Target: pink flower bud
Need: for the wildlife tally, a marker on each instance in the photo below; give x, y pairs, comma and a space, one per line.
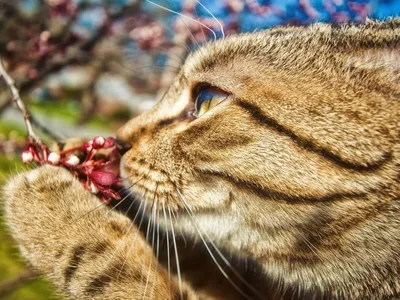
93, 189
104, 178
98, 142
88, 146
27, 156
72, 161
53, 158
109, 142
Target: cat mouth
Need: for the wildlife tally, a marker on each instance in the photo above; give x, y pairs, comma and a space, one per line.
149, 191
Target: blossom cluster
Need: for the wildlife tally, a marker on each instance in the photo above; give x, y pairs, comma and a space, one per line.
95, 164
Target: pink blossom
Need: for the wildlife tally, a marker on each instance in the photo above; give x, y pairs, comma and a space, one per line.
98, 174
72, 161
53, 158
27, 156
98, 142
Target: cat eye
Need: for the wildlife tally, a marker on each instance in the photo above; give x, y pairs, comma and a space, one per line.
207, 99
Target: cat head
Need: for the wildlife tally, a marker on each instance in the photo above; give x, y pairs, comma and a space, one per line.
280, 129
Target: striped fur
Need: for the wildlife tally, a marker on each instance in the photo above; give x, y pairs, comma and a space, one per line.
296, 173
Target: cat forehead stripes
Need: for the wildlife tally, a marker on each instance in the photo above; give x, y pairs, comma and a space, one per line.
318, 39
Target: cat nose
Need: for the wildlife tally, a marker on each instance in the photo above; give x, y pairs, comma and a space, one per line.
122, 146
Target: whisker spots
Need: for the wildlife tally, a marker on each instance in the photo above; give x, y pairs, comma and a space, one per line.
117, 229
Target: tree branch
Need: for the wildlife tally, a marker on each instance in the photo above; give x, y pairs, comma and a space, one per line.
79, 56
19, 103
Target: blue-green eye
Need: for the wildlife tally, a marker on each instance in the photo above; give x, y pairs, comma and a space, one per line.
207, 99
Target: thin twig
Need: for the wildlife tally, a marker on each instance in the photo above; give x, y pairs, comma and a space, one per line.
46, 131
19, 103
80, 56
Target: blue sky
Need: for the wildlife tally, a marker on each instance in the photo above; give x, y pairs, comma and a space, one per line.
289, 11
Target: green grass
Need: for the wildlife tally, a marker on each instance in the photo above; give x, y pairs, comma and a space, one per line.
6, 128
67, 110
11, 265
37, 289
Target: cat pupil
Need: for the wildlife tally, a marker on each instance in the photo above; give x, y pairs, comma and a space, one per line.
203, 96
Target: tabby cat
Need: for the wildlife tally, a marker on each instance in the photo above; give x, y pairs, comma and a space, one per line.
269, 170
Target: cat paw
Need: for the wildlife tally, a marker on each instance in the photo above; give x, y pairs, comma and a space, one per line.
42, 200
36, 187
87, 250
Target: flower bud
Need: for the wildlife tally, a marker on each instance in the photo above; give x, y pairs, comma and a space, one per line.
53, 158
72, 160
93, 189
109, 142
27, 156
98, 142
88, 146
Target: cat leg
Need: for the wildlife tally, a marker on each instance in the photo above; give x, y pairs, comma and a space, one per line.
84, 248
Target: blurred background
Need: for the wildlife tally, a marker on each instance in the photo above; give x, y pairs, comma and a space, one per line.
84, 67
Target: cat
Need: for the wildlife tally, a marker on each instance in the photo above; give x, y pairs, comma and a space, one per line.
278, 149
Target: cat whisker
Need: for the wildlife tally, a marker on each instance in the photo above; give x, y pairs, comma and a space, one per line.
84, 215
185, 45
130, 192
220, 254
153, 220
132, 242
180, 59
100, 205
147, 238
151, 259
184, 16
212, 15
160, 67
168, 253
143, 213
201, 28
134, 69
310, 246
152, 208
141, 222
191, 34
183, 236
179, 43
121, 242
178, 270
176, 57
158, 233
153, 217
156, 221
122, 200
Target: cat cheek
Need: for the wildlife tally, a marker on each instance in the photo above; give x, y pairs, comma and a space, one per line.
207, 193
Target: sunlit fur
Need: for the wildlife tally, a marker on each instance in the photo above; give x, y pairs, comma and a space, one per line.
298, 170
